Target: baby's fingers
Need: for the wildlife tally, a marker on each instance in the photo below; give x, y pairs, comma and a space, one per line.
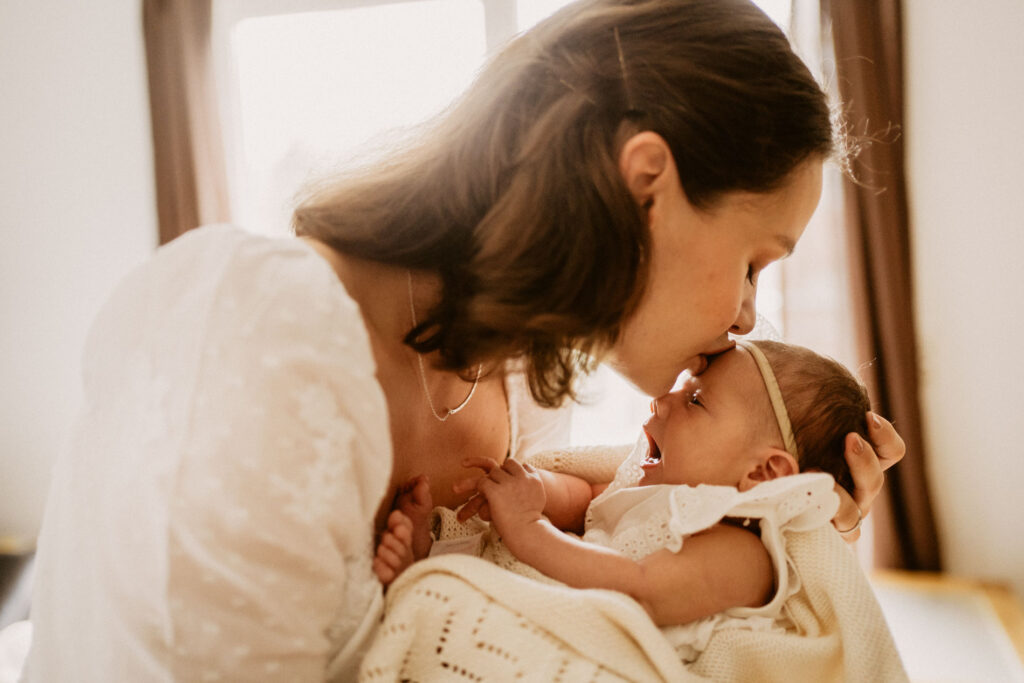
514, 468
465, 485
486, 464
471, 507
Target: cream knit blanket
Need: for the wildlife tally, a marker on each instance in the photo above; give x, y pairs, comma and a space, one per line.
457, 617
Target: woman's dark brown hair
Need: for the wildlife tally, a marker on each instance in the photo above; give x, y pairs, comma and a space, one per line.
514, 196
825, 402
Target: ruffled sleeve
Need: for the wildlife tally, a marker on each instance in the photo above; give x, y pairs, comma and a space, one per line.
640, 520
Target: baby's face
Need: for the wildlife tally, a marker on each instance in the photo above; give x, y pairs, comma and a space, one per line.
707, 430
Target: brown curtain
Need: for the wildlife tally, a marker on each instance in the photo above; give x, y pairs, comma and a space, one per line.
191, 181
867, 43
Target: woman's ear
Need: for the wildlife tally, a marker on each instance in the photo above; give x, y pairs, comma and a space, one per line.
769, 464
646, 165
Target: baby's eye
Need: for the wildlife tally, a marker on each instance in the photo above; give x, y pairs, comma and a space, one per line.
695, 399
751, 275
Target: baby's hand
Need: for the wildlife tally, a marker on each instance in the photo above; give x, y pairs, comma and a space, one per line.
515, 493
394, 553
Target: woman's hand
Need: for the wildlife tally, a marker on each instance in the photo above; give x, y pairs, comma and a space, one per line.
868, 462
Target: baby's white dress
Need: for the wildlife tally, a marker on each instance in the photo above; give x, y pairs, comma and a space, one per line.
639, 520
212, 517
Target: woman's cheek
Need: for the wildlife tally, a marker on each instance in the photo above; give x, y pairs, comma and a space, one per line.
720, 313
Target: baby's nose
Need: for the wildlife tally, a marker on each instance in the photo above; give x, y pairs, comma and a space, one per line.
662, 405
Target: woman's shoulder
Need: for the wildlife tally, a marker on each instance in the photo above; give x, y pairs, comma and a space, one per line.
226, 254
219, 297
225, 281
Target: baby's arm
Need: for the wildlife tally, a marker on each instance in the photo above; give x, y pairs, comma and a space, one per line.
567, 496
721, 568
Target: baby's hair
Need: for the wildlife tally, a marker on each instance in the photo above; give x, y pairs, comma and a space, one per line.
825, 402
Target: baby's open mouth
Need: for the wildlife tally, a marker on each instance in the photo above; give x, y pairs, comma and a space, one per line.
653, 452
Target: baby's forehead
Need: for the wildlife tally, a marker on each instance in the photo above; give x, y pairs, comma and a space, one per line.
735, 367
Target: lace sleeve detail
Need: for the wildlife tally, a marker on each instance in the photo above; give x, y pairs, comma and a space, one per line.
638, 521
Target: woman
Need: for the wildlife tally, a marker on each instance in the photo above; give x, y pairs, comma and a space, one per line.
609, 188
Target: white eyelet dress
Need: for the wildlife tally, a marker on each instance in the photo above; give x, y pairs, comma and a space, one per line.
639, 520
212, 517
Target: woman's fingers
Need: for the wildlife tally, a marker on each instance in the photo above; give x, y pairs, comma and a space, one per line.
886, 441
867, 462
847, 519
866, 470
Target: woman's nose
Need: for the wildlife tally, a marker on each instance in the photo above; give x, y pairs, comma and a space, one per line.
747, 317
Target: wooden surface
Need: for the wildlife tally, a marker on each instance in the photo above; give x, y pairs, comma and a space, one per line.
1002, 600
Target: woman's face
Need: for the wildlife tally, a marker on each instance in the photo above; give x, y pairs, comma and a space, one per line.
702, 279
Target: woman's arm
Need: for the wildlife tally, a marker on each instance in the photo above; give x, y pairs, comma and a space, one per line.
721, 568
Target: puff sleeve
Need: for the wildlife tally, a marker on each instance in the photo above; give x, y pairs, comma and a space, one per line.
213, 517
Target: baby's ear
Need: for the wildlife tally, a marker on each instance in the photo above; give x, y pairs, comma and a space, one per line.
769, 464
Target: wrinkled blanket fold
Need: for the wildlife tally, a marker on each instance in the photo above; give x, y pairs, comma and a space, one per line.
462, 618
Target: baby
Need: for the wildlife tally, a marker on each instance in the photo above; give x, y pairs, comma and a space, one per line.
719, 452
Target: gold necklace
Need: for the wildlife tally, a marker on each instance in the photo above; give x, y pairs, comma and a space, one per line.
448, 412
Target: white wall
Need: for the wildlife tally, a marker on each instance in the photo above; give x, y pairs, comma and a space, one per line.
76, 212
965, 136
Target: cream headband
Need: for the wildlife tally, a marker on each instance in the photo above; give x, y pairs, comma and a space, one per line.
775, 395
